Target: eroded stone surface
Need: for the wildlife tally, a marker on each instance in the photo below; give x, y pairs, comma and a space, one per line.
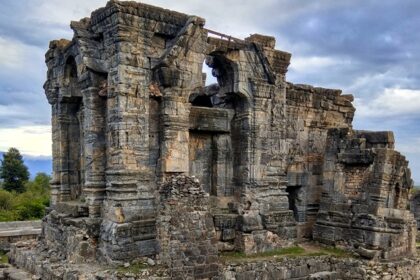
185, 230
366, 199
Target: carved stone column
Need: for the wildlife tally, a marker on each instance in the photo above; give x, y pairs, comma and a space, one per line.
94, 149
175, 120
63, 122
130, 203
55, 183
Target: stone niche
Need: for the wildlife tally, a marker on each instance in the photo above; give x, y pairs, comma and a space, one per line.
277, 162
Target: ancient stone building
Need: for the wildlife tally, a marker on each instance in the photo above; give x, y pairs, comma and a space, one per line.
365, 200
278, 162
415, 209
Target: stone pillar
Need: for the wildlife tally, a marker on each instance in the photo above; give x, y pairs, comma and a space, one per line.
55, 182
242, 149
128, 230
265, 202
175, 125
94, 149
223, 165
63, 122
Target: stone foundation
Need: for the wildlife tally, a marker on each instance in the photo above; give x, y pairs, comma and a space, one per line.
322, 268
298, 268
11, 232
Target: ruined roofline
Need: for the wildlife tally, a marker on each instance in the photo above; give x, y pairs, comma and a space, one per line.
311, 88
61, 44
326, 92
376, 137
87, 27
128, 7
140, 10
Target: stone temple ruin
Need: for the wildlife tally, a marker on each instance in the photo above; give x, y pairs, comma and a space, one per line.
149, 161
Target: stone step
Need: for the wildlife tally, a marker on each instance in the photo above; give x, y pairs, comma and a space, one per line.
12, 273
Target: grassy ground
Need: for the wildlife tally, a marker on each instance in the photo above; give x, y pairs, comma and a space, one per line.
3, 257
296, 251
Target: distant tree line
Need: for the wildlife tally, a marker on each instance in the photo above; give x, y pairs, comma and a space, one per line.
21, 198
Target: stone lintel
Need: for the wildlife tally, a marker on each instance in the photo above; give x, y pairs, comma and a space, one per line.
210, 119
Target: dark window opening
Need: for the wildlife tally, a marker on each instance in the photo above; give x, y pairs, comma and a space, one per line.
202, 101
397, 196
71, 68
294, 201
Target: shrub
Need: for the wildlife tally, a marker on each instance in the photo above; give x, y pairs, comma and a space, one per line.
39, 188
8, 215
30, 210
28, 205
6, 200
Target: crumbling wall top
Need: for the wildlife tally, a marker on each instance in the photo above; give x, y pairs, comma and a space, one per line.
140, 10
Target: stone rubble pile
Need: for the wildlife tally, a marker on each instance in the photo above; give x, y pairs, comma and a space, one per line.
179, 186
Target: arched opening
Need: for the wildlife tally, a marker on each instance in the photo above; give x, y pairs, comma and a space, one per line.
219, 140
74, 148
205, 96
70, 77
208, 77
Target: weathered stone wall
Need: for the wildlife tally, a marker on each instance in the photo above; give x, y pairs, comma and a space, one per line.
415, 209
302, 268
45, 265
11, 232
73, 239
102, 77
136, 37
311, 111
186, 234
366, 186
322, 268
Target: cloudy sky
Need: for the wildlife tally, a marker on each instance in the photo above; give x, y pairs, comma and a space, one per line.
370, 49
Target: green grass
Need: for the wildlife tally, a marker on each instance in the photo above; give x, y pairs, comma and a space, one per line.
3, 257
290, 251
295, 251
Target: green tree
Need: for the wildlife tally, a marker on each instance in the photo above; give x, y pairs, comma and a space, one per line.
13, 171
40, 184
39, 188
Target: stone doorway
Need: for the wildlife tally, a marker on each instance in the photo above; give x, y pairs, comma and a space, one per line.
295, 201
201, 159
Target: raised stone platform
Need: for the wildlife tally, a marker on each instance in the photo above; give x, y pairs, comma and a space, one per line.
269, 268
11, 232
